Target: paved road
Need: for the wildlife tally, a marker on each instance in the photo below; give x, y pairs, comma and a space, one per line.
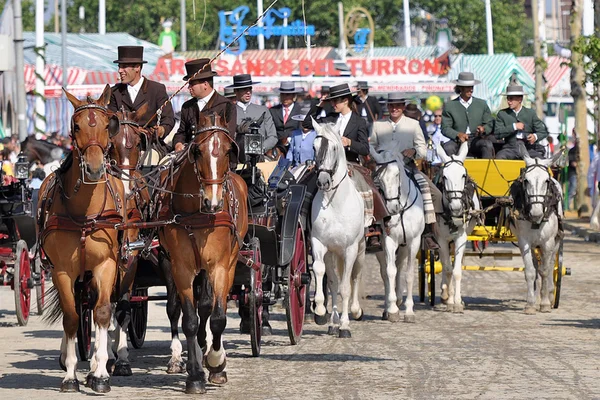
492, 351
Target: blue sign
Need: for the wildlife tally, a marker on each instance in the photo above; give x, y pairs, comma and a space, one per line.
227, 33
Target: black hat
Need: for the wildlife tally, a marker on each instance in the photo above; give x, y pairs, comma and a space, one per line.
362, 85
325, 89
130, 55
395, 98
339, 91
191, 67
242, 81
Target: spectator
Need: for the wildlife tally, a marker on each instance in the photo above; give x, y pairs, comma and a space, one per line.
37, 178
572, 171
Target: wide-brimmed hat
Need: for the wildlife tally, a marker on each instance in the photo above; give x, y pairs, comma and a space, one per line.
395, 98
362, 85
228, 92
325, 89
242, 81
201, 64
514, 90
466, 79
339, 91
288, 87
130, 55
302, 116
412, 111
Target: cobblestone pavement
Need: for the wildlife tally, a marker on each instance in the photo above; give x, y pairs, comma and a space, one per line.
492, 351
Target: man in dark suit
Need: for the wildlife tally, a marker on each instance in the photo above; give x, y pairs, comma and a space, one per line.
367, 106
283, 112
135, 90
205, 100
468, 118
519, 124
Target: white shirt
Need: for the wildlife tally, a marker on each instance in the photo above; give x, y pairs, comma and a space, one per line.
342, 122
135, 89
519, 132
466, 105
243, 105
202, 102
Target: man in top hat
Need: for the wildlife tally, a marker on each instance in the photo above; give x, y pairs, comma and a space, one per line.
517, 124
368, 106
283, 112
404, 134
468, 118
247, 111
135, 90
205, 100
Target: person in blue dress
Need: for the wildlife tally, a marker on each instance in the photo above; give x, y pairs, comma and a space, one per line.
301, 143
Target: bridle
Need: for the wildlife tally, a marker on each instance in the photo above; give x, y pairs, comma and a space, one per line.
456, 194
319, 160
406, 206
136, 127
532, 199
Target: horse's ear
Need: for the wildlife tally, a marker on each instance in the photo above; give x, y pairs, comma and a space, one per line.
376, 156
74, 100
441, 153
315, 125
557, 157
463, 151
104, 99
141, 112
524, 154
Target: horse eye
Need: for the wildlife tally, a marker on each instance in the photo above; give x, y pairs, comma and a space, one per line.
76, 128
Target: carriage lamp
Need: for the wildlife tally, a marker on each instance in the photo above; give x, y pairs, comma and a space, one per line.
22, 167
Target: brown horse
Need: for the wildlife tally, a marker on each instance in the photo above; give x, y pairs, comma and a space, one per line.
78, 208
125, 154
209, 206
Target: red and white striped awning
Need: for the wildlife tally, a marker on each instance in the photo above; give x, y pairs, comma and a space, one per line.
53, 76
554, 73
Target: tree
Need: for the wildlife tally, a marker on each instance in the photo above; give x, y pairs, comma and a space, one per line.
28, 10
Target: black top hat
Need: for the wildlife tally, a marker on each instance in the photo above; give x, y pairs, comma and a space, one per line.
242, 81
130, 55
396, 98
289, 87
201, 64
362, 85
339, 91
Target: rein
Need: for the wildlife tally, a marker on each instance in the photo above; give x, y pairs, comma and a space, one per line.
451, 195
330, 171
531, 199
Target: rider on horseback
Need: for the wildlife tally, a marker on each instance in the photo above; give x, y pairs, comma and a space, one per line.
400, 133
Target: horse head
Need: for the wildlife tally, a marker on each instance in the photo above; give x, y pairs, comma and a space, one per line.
454, 179
209, 153
130, 140
388, 175
330, 157
91, 129
536, 183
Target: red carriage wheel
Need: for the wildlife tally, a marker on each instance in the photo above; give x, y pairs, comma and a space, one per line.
40, 288
22, 283
139, 320
296, 293
255, 298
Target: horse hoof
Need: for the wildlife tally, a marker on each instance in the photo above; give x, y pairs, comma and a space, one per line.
62, 364
72, 385
321, 319
410, 318
449, 307
110, 365
122, 368
101, 385
443, 300
88, 379
459, 309
530, 310
385, 316
175, 367
395, 317
345, 334
267, 330
218, 378
361, 314
333, 330
194, 387
545, 308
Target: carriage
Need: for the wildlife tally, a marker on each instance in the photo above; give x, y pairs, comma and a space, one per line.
493, 179
19, 269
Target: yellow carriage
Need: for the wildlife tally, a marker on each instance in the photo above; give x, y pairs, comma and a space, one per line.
493, 179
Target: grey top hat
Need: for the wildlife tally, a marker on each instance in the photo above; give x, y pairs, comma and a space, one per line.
288, 87
514, 90
242, 81
395, 98
228, 92
339, 91
466, 79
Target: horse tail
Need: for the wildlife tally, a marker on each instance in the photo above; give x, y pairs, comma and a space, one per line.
595, 219
52, 310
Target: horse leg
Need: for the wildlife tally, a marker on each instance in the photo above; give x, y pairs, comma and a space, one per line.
332, 261
444, 252
319, 251
68, 356
386, 285
221, 280
176, 364
546, 272
122, 366
411, 259
345, 289
355, 310
459, 250
205, 307
530, 275
392, 310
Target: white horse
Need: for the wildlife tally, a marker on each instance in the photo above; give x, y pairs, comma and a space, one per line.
338, 243
402, 236
537, 226
456, 222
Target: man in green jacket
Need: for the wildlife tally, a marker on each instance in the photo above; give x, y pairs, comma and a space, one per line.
468, 118
519, 124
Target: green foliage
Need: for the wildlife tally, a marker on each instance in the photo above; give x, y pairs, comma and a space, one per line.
28, 11
589, 47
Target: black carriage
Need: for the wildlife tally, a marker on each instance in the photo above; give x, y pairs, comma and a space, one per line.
273, 262
18, 269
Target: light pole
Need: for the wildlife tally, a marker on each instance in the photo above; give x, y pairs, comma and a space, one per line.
19, 61
40, 78
488, 23
406, 24
183, 27
261, 37
102, 17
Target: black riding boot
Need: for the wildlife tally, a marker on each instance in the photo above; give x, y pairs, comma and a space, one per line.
429, 236
374, 237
